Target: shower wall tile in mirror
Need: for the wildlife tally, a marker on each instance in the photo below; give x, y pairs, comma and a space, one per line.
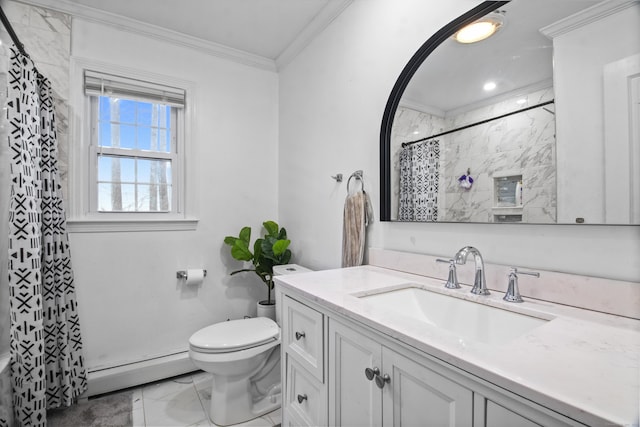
522, 144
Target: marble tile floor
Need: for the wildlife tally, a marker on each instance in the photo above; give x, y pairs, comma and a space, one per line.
183, 401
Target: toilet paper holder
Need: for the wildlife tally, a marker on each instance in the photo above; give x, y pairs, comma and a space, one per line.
182, 274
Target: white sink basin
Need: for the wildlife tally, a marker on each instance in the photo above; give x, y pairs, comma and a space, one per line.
467, 319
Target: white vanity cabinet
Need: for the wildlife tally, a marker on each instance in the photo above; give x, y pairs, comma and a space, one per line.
339, 372
397, 390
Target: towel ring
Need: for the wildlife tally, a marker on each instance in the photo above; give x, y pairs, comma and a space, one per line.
359, 176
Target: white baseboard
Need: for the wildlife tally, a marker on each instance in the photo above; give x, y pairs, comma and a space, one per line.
136, 373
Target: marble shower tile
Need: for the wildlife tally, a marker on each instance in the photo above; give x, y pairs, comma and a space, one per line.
18, 13
50, 20
45, 47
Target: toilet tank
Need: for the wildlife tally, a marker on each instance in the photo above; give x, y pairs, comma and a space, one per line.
282, 270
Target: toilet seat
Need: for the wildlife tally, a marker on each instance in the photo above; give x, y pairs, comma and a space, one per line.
235, 335
230, 356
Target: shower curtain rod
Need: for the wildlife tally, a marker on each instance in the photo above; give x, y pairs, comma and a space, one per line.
12, 33
542, 104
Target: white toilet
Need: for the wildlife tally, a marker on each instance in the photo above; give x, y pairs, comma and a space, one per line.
244, 357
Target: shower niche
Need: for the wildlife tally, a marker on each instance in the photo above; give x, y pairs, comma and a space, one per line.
507, 197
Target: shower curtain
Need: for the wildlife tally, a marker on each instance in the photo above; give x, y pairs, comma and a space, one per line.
419, 175
47, 366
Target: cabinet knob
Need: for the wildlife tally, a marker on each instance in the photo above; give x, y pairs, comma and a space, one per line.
299, 335
302, 398
371, 373
382, 380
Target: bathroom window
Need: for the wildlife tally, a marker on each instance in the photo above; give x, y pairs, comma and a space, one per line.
134, 140
135, 151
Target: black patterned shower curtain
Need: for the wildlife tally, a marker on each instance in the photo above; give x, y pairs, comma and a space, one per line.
419, 175
47, 365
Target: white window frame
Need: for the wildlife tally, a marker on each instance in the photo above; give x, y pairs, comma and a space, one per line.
83, 210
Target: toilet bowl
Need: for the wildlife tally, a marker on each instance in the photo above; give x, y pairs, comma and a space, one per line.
244, 358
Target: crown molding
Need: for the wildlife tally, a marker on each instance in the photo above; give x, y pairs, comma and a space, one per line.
524, 90
153, 31
434, 111
317, 25
586, 16
412, 104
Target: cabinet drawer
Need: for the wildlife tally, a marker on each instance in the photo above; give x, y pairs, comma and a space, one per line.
305, 396
303, 336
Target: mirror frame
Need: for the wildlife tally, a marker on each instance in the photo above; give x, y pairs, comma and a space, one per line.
401, 84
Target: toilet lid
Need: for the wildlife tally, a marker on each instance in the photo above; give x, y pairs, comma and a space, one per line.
235, 334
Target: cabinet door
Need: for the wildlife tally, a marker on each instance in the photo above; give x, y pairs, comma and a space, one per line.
353, 399
418, 396
507, 412
497, 416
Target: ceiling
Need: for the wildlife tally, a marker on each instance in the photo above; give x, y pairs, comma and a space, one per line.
269, 29
518, 56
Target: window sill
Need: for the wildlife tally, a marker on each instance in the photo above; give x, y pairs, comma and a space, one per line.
108, 226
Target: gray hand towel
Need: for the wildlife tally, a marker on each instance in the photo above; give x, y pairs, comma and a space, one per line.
357, 215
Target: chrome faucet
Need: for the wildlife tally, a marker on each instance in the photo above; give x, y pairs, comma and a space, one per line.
479, 283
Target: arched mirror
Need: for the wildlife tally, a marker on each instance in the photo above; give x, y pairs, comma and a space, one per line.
537, 123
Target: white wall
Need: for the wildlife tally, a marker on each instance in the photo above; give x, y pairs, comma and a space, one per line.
131, 304
332, 98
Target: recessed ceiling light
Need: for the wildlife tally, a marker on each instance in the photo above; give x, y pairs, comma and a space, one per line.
479, 30
521, 101
489, 86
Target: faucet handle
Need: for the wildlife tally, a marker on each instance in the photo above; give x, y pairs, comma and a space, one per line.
452, 280
530, 273
513, 293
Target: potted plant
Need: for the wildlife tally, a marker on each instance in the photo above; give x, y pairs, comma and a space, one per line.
272, 249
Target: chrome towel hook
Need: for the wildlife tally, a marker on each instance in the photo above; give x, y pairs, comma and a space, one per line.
359, 176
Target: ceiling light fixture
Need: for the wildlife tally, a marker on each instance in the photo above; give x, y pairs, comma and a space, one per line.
481, 29
489, 86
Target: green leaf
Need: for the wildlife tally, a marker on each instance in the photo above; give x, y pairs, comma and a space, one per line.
257, 251
230, 240
286, 257
240, 251
271, 227
280, 246
245, 235
267, 246
283, 234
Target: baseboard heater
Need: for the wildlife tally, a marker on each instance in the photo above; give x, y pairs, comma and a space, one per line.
105, 380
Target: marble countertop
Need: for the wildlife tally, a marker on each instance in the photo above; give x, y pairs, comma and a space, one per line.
583, 364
